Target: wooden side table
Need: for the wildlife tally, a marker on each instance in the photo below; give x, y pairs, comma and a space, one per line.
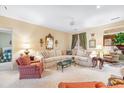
95, 61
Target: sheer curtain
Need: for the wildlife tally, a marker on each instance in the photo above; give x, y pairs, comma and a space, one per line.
74, 40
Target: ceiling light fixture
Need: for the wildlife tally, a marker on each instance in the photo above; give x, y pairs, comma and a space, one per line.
72, 22
3, 7
115, 18
98, 6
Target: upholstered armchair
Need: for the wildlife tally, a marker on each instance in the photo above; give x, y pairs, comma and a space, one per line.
29, 69
111, 58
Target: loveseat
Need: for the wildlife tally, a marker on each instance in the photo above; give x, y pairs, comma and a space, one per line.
50, 58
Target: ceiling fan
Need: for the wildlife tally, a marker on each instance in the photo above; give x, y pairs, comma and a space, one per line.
3, 7
72, 22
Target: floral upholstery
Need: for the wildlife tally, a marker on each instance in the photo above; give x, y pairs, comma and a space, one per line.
29, 69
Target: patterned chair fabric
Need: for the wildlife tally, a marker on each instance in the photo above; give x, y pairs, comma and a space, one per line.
33, 69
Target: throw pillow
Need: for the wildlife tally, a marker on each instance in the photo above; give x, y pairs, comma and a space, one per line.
45, 54
74, 51
51, 53
58, 52
81, 53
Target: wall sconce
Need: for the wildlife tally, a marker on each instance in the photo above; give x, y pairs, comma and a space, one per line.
56, 43
41, 42
92, 34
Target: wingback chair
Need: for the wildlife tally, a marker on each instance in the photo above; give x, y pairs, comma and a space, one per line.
29, 69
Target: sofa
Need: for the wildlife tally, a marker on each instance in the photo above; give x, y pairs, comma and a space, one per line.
29, 69
50, 58
86, 85
83, 58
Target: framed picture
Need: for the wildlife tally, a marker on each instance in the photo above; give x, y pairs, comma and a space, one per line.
108, 40
92, 43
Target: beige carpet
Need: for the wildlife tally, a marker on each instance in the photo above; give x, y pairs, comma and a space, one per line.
51, 77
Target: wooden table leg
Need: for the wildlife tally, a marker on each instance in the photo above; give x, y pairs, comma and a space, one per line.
101, 64
62, 68
94, 62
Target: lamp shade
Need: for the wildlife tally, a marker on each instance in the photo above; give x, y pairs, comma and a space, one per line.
26, 46
99, 47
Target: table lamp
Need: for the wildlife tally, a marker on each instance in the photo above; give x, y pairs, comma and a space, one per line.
26, 47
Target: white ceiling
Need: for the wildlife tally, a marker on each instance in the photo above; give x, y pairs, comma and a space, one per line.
59, 16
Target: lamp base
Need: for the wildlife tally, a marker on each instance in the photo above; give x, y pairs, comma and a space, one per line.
26, 52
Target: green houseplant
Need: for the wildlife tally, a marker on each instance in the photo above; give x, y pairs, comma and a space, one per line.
119, 41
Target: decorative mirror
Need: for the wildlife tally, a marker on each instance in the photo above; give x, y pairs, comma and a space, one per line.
92, 43
49, 41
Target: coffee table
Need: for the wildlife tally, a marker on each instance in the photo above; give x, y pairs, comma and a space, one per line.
64, 64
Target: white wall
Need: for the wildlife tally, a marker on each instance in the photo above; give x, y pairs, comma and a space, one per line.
5, 39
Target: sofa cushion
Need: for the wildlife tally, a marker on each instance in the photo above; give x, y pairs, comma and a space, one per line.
58, 52
74, 51
58, 58
50, 59
82, 53
81, 58
51, 53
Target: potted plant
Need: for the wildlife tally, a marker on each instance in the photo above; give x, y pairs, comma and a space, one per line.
119, 41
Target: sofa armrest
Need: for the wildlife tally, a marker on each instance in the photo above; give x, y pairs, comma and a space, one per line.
89, 59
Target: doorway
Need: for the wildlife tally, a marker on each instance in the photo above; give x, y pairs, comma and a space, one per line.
5, 48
